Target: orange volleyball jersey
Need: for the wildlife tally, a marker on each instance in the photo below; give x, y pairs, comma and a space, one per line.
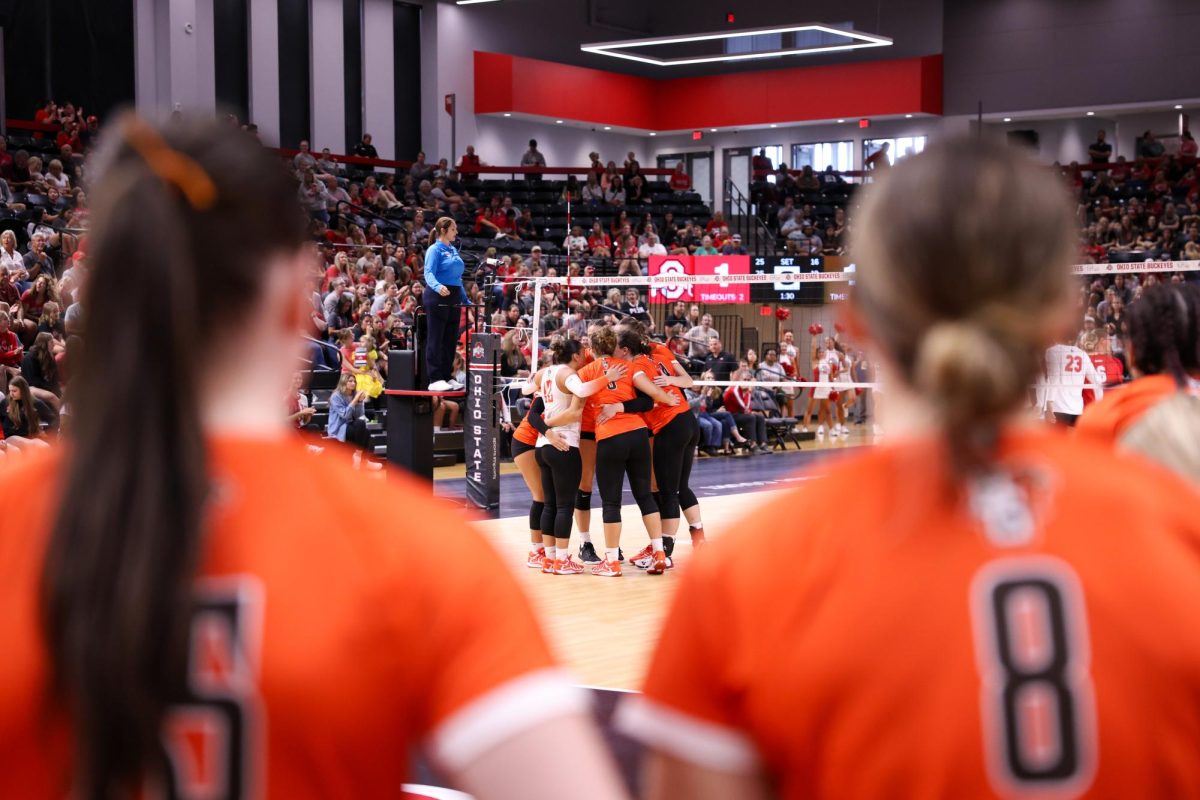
587, 423
617, 391
340, 652
661, 361
906, 650
1109, 417
526, 433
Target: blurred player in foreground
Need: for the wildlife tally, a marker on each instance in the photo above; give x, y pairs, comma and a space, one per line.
185, 603
999, 609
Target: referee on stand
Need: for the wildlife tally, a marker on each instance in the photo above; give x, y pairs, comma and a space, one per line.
442, 300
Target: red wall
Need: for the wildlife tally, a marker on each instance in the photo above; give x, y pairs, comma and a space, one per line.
506, 83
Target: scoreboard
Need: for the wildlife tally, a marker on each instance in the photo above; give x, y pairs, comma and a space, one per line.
790, 288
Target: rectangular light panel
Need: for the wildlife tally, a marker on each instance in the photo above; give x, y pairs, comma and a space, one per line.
857, 41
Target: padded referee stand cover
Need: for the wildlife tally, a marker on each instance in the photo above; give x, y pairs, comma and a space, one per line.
409, 419
482, 432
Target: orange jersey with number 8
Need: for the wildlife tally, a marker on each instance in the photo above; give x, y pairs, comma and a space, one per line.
1033, 638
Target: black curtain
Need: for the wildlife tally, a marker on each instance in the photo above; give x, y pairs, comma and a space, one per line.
231, 41
295, 68
352, 62
78, 51
406, 44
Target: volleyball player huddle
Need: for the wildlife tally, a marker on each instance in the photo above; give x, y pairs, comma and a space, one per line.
607, 410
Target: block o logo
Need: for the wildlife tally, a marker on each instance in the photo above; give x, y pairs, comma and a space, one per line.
670, 292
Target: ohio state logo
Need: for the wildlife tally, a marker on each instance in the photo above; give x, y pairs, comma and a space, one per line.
670, 290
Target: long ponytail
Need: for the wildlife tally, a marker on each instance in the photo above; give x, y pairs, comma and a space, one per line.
128, 536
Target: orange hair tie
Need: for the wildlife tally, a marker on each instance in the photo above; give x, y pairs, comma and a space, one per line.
171, 166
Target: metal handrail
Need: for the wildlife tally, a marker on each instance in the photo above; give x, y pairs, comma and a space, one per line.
740, 203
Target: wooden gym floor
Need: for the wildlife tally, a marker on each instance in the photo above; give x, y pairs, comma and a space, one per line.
604, 629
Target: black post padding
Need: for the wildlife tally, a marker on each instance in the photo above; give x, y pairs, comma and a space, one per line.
481, 431
409, 419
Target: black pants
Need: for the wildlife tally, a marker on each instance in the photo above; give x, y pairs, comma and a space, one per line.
674, 450
358, 435
1066, 419
441, 331
561, 472
617, 456
752, 426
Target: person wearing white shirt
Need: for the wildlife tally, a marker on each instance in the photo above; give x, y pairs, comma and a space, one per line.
1060, 391
698, 337
11, 259
576, 243
652, 247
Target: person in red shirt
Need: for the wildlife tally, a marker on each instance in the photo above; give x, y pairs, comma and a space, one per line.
680, 180
11, 350
491, 220
599, 242
187, 555
716, 223
997, 577
48, 114
761, 166
468, 167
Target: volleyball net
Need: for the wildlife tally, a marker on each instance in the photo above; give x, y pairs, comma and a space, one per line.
759, 300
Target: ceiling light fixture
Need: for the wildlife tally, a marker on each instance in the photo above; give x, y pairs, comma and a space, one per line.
773, 125
857, 41
712, 130
608, 127
507, 114
908, 116
1091, 113
558, 122
1178, 107
652, 133
473, 2
841, 120
1008, 119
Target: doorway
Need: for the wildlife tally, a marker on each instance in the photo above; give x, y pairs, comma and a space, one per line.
699, 165
737, 172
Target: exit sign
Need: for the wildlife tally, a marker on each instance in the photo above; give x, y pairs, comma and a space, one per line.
864, 123
697, 136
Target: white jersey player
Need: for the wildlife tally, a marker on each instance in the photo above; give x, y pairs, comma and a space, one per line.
559, 402
1068, 370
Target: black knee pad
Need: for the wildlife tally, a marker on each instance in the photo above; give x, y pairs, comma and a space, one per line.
687, 498
583, 500
668, 504
535, 515
612, 512
646, 504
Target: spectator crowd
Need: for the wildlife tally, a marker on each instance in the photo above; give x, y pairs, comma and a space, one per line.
371, 223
